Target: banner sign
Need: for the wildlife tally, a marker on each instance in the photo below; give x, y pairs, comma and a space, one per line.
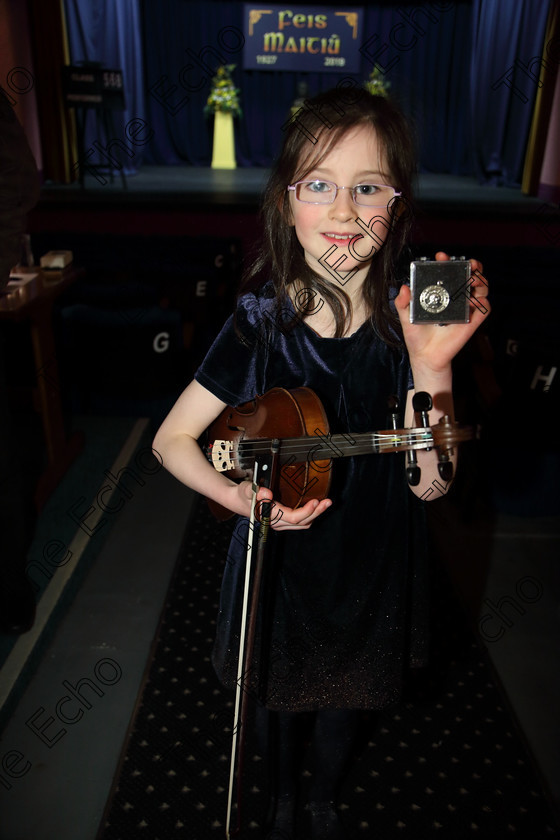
302, 38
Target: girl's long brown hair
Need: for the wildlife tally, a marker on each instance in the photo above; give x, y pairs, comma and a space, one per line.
310, 136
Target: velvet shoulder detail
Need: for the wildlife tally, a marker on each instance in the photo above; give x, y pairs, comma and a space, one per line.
229, 369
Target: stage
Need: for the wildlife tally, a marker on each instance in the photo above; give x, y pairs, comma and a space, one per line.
195, 201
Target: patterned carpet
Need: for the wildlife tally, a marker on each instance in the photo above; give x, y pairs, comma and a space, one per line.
448, 762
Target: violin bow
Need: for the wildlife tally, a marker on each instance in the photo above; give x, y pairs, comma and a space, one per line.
248, 629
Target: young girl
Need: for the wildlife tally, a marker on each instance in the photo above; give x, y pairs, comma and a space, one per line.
345, 612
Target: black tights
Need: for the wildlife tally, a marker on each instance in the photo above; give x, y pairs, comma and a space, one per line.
333, 737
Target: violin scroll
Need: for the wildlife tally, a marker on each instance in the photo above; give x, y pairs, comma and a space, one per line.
445, 434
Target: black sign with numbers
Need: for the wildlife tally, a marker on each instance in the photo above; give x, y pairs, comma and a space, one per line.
93, 87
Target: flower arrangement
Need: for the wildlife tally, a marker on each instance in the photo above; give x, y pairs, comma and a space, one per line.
224, 96
376, 83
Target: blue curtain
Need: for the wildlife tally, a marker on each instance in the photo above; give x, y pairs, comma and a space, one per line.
458, 69
507, 38
110, 32
428, 58
429, 79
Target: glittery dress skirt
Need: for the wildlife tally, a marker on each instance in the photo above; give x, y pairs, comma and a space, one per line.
343, 613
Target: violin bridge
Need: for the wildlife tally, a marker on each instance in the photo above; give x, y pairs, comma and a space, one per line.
222, 455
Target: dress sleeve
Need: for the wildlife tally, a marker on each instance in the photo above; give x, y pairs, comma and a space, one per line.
233, 367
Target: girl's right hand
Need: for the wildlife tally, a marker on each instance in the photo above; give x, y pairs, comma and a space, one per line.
284, 518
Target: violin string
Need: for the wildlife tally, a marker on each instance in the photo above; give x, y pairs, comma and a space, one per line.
349, 442
258, 445
383, 442
329, 452
331, 446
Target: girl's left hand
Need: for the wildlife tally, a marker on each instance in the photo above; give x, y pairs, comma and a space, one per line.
432, 346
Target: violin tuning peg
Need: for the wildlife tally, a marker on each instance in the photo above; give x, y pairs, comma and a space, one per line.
412, 469
445, 469
393, 404
445, 465
421, 401
413, 475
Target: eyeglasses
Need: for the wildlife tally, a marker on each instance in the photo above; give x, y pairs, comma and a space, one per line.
325, 192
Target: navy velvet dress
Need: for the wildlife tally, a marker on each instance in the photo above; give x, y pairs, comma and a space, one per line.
345, 611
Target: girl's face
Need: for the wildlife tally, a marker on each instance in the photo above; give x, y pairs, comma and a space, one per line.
357, 159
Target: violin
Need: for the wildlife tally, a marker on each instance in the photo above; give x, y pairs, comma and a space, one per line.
296, 423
